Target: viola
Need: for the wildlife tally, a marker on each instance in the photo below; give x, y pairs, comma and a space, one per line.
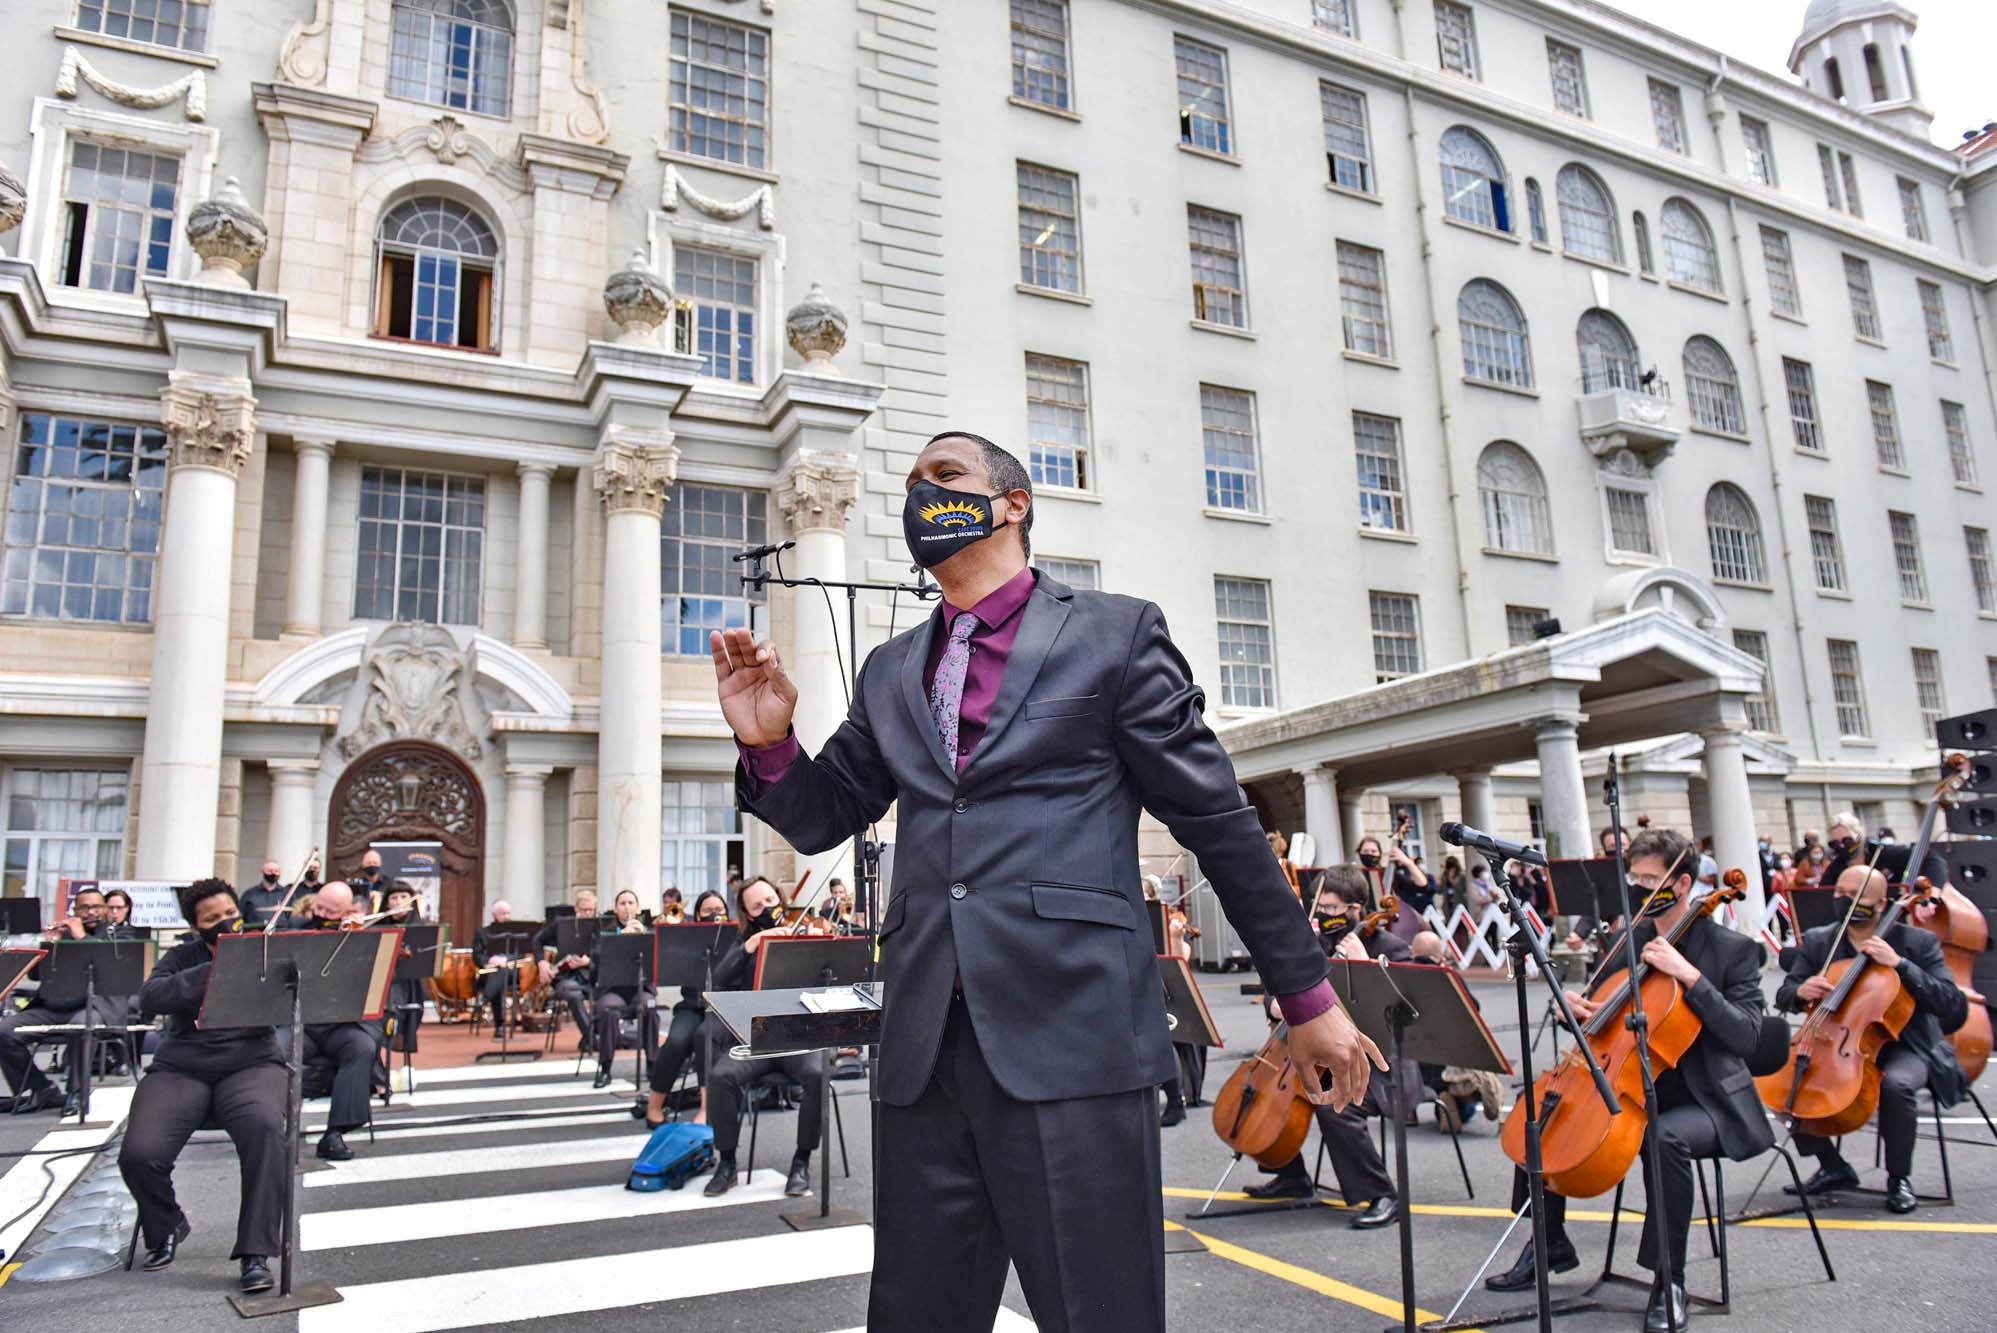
1389, 912
1263, 1110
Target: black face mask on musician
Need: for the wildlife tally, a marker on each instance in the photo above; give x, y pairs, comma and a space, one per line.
1333, 925
1864, 913
210, 934
270, 879
1660, 901
938, 522
763, 920
1369, 859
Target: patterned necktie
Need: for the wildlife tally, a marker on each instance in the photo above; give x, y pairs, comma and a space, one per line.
946, 693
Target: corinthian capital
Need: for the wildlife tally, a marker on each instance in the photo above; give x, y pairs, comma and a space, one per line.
634, 470
209, 425
817, 490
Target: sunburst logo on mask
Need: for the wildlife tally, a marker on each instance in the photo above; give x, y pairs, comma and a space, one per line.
951, 514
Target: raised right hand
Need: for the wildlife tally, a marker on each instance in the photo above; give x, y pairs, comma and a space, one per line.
757, 697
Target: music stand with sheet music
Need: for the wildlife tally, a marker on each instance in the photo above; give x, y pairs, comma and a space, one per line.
20, 916
83, 971
421, 958
575, 936
291, 978
629, 961
511, 940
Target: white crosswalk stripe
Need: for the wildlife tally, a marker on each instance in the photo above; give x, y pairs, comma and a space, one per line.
373, 1170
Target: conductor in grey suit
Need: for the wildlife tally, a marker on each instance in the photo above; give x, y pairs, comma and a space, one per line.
1021, 729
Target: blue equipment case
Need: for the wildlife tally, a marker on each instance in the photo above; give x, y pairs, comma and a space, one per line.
676, 1152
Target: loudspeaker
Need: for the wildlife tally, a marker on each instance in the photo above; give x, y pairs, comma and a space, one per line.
1972, 868
1974, 735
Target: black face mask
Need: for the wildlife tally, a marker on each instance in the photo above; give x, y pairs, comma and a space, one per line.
1864, 913
210, 934
938, 522
1334, 925
764, 920
1369, 859
270, 879
1843, 844
311, 877
1660, 902
709, 919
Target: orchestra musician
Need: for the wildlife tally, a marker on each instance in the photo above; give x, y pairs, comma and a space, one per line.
683, 1036
571, 976
349, 1047
612, 1001
1397, 875
1707, 1104
368, 884
1184, 1083
496, 969
233, 1078
118, 909
402, 907
1921, 1058
265, 896
31, 1089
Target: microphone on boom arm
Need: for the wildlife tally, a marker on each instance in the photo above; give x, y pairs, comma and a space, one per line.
1462, 835
761, 552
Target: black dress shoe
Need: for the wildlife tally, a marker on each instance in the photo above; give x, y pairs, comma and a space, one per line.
799, 1183
1175, 1114
722, 1181
1832, 1176
333, 1147
1383, 1211
1560, 1257
161, 1255
1900, 1195
1283, 1187
1666, 1311
256, 1274
602, 1077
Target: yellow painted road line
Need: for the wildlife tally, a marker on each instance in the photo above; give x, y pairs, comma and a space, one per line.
1385, 1306
1420, 1209
7, 1271
1853, 1224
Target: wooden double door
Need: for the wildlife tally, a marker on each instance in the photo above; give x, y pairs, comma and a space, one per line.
413, 791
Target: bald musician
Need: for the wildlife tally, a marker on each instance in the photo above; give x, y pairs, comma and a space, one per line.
348, 1047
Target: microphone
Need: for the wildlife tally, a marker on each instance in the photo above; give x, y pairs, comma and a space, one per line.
762, 552
1462, 835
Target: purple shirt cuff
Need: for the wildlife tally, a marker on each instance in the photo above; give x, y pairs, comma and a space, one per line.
767, 766
1304, 1005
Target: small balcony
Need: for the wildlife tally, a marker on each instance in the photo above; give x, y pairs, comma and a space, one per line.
1624, 407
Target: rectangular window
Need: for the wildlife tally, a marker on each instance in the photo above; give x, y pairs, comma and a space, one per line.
1220, 293
1040, 52
1522, 624
1935, 315
1928, 685
700, 835
182, 24
1981, 574
1907, 557
1885, 425
1760, 704
1913, 212
1456, 38
1570, 82
722, 323
719, 99
1848, 173
1246, 631
1760, 149
1081, 575
1667, 113
1203, 120
1827, 164
1847, 689
84, 508
1383, 491
1362, 300
1802, 389
1961, 461
456, 55
421, 547
1629, 521
62, 823
1864, 310
1335, 16
1396, 635
700, 585
118, 206
1826, 552
1783, 293
1050, 229
1057, 421
1535, 820
1233, 468
1348, 147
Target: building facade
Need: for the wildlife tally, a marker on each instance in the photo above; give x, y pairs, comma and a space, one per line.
390, 384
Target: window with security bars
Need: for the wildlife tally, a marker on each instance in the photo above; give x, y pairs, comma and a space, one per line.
1233, 465
1907, 557
1913, 212
1057, 421
1801, 386
454, 53
1713, 387
1935, 315
1040, 52
1202, 71
1050, 229
1522, 624
1761, 704
1955, 426
181, 24
1247, 632
84, 507
1456, 38
61, 823
1376, 448
1362, 300
1335, 16
700, 835
1733, 536
1608, 354
1081, 575
1535, 211
719, 90
1827, 164
700, 585
421, 547
1760, 148
1641, 231
1348, 145
1629, 521
1864, 309
1784, 295
1885, 426
1848, 174
722, 289
1689, 256
1511, 490
1928, 686
1570, 83
118, 214
1982, 575
1219, 292
1473, 180
1396, 635
1847, 689
1826, 551
1667, 114
1587, 215
1493, 332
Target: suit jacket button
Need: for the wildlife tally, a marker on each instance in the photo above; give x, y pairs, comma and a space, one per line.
958, 890
961, 806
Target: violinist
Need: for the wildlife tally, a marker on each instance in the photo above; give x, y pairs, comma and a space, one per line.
1922, 1057
401, 907
1347, 933
348, 1047
682, 1042
570, 976
1397, 875
1706, 1103
611, 1001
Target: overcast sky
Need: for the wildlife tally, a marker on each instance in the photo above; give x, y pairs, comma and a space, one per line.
1952, 48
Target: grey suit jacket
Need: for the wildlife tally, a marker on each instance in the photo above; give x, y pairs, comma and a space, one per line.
1021, 878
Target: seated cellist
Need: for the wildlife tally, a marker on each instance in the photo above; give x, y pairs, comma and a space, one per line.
1922, 1057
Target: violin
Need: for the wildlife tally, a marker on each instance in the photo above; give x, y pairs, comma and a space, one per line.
1389, 912
1263, 1110
1585, 1149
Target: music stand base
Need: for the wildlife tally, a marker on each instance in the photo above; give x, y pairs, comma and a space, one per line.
1184, 1242
1259, 1209
1564, 1306
303, 1297
816, 1221
1647, 1284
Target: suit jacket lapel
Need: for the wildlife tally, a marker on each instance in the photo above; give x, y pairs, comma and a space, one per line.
917, 697
1046, 611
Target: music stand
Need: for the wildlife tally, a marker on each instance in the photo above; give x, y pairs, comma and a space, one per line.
20, 916
1154, 911
1420, 1012
422, 957
628, 960
794, 962
292, 978
512, 941
687, 952
575, 936
15, 964
1186, 1011
83, 970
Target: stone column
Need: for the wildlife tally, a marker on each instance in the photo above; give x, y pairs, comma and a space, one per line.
1562, 801
530, 577
1473, 790
523, 878
1321, 819
1350, 824
1731, 815
211, 429
290, 835
633, 472
306, 587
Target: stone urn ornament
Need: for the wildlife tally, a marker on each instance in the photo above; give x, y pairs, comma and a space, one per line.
228, 235
639, 300
817, 330
13, 200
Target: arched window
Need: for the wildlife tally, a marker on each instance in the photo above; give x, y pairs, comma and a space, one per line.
1608, 354
1587, 215
1513, 495
1689, 256
1492, 327
1733, 535
1535, 211
1713, 387
1641, 229
434, 268
1473, 181
455, 53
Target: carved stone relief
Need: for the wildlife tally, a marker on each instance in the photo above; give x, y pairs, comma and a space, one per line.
418, 687
762, 199
449, 141
307, 47
192, 86
208, 429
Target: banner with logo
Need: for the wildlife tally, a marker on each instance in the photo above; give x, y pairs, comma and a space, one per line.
420, 865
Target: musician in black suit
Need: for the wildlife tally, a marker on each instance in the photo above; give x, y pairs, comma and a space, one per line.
89, 919
1921, 1058
570, 976
1707, 1105
495, 985
1019, 732
402, 907
348, 1049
